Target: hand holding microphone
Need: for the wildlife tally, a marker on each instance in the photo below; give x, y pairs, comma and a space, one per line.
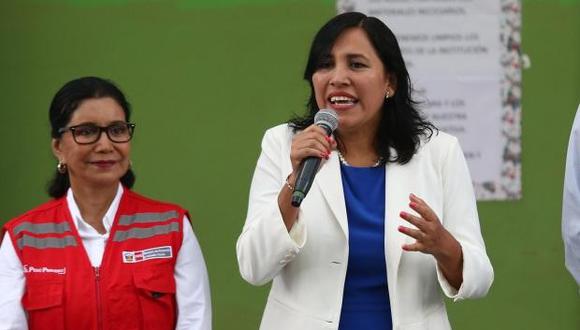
307, 150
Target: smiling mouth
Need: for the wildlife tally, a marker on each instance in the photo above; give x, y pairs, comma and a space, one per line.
104, 163
342, 100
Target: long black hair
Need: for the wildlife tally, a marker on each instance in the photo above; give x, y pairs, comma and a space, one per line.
65, 103
402, 125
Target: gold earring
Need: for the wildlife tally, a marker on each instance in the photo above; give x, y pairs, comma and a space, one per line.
61, 167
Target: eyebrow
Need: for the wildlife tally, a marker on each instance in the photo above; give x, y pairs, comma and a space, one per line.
92, 123
355, 55
349, 56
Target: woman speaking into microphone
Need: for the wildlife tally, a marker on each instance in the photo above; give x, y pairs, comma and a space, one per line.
390, 223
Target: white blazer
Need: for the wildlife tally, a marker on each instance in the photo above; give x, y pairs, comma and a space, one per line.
308, 265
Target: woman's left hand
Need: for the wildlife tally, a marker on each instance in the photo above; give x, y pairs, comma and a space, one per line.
432, 238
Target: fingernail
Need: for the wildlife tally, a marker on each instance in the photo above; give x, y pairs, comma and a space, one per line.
400, 228
327, 138
403, 214
413, 205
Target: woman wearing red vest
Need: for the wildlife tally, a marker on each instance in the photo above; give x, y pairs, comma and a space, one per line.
99, 256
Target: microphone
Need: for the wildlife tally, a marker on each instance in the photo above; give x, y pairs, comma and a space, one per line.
328, 120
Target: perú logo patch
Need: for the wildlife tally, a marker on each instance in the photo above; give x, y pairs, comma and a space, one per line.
162, 252
43, 269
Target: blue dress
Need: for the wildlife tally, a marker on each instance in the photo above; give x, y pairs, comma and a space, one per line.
365, 302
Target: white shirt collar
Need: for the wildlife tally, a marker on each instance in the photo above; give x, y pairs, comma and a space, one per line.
108, 219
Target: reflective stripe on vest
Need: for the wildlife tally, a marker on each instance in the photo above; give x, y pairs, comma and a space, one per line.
42, 228
46, 242
126, 220
123, 235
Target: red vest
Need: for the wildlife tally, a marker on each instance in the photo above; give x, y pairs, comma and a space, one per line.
134, 287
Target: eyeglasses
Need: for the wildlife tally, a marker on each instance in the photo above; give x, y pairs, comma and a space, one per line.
90, 133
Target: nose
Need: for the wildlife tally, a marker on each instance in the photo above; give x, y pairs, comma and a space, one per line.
103, 144
339, 76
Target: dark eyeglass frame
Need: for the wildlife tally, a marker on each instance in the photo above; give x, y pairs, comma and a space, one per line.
130, 127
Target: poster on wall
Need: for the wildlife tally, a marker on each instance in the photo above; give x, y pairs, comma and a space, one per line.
464, 60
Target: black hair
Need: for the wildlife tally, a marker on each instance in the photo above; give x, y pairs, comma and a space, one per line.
65, 103
401, 125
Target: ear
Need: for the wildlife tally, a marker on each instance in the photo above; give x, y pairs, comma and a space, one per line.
391, 83
55, 145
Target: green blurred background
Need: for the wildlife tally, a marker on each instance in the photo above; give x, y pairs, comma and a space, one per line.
206, 78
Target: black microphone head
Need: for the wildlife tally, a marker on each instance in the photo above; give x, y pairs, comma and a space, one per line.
326, 118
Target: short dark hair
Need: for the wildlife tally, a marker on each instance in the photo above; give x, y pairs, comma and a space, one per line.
402, 125
65, 103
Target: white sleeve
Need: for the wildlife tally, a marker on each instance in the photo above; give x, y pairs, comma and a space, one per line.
460, 218
265, 246
12, 315
192, 284
571, 202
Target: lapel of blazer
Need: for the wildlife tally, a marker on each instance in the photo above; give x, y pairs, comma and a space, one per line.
397, 189
329, 182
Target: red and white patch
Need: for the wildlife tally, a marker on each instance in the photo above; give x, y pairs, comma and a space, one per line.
161, 252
